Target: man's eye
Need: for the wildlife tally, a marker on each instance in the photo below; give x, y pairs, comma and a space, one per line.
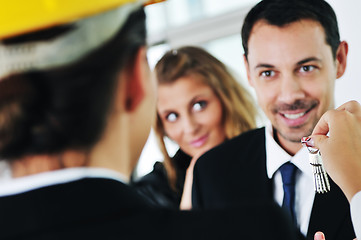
267, 74
172, 117
198, 106
307, 68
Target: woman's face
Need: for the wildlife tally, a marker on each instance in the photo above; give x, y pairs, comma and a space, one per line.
191, 114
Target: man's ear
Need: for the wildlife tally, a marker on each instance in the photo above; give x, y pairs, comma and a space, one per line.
247, 70
341, 58
135, 74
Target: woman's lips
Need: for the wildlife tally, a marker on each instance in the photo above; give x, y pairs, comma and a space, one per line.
199, 141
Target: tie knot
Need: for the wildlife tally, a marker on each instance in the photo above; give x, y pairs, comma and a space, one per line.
288, 172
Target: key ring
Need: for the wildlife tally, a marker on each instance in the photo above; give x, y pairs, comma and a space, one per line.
321, 182
312, 150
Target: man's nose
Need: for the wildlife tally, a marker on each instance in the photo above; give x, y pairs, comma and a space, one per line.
290, 89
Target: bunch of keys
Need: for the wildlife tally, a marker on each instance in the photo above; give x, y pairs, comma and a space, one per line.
322, 184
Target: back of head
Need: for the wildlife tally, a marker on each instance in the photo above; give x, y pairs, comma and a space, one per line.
282, 12
52, 109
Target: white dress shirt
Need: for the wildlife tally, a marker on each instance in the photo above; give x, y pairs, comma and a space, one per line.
356, 214
304, 189
35, 181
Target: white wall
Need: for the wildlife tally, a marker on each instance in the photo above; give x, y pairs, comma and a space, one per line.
349, 18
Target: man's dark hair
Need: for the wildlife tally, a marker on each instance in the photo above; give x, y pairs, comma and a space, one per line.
283, 12
48, 111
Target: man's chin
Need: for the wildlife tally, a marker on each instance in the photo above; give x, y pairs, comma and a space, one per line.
294, 137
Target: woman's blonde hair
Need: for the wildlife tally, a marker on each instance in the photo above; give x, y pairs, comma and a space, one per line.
239, 111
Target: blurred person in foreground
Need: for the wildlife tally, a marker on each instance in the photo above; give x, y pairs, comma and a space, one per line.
199, 105
76, 99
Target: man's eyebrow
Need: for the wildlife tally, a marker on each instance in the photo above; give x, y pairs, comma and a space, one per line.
310, 59
306, 60
264, 65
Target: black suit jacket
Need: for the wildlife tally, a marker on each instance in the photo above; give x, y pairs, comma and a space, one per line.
236, 171
98, 208
155, 186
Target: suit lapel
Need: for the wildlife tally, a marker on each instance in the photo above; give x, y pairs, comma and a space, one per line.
264, 176
254, 164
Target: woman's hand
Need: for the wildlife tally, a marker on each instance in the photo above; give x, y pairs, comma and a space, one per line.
341, 148
321, 236
186, 202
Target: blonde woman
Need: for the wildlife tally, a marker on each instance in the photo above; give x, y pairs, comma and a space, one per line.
200, 105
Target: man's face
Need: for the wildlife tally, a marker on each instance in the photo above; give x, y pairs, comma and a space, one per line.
293, 73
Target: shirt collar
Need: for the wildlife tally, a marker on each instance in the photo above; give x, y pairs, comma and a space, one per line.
31, 182
276, 156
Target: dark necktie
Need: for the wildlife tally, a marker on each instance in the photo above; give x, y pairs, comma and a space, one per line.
288, 172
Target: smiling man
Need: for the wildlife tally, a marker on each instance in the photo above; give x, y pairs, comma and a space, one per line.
293, 56
293, 71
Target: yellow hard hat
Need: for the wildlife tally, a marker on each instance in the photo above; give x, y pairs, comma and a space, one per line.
94, 21
22, 16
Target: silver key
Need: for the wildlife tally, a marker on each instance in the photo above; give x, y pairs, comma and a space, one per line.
322, 184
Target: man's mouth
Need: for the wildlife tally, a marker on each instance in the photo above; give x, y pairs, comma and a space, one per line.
296, 110
294, 116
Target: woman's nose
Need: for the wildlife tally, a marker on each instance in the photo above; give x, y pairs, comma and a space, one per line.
190, 124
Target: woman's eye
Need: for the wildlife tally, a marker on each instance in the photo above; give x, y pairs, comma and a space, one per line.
307, 68
267, 74
198, 106
172, 117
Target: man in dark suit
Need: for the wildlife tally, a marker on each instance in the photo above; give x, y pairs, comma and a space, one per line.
76, 104
293, 55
